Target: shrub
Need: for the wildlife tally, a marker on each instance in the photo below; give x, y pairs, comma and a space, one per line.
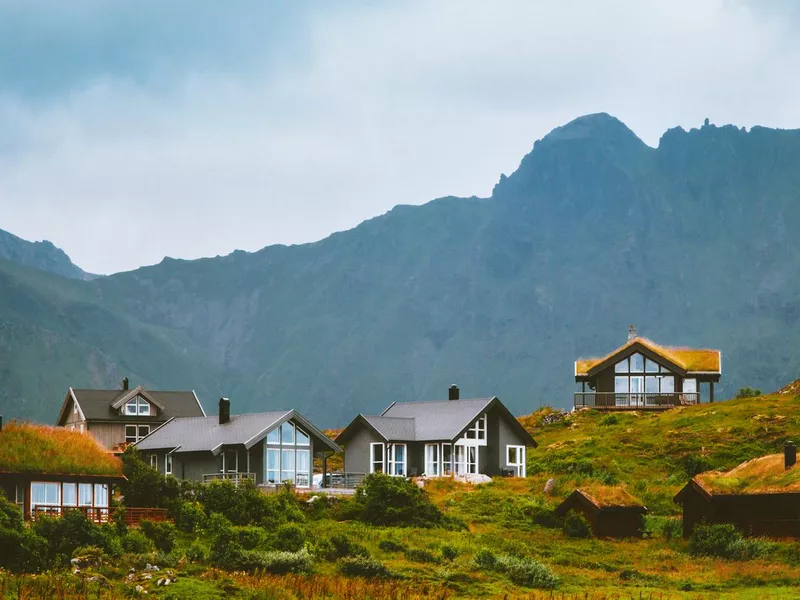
576, 525
609, 420
694, 465
362, 566
161, 534
280, 563
344, 546
246, 505
725, 541
420, 555
748, 392
449, 552
527, 572
391, 546
72, 530
144, 486
289, 537
398, 501
485, 559
217, 523
189, 516
196, 553
24, 551
250, 537
453, 523
136, 542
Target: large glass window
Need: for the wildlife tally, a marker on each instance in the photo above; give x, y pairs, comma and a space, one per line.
637, 363
288, 464
667, 384
466, 459
376, 457
396, 455
69, 494
101, 494
137, 406
432, 460
45, 494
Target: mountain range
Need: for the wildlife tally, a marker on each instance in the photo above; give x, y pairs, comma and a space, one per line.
695, 241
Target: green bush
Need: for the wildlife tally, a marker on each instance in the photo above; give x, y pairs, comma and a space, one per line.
694, 465
395, 501
217, 523
485, 559
162, 534
136, 542
72, 530
280, 563
609, 420
576, 525
421, 556
189, 516
250, 537
725, 541
391, 546
197, 553
527, 572
246, 505
449, 552
343, 546
363, 566
24, 551
289, 537
748, 392
143, 485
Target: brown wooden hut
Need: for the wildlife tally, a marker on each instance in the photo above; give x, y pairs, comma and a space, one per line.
611, 511
761, 497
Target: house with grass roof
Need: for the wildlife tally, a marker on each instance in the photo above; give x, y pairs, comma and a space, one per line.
464, 437
124, 416
50, 470
644, 375
761, 496
612, 512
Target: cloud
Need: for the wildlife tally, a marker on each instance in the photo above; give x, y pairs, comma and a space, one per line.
193, 132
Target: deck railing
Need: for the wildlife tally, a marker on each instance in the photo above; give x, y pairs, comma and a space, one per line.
614, 400
236, 478
347, 481
131, 515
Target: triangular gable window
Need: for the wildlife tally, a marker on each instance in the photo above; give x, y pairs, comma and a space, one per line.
137, 406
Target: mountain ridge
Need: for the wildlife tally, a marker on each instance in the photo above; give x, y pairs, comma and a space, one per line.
500, 294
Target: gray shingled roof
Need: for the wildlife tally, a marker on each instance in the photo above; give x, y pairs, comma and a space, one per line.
393, 428
206, 434
96, 404
439, 420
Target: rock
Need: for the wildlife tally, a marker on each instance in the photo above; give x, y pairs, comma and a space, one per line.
140, 590
474, 478
147, 576
550, 486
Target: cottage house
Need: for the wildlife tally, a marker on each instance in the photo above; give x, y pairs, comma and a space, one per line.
610, 511
761, 496
643, 375
124, 416
266, 448
49, 470
446, 437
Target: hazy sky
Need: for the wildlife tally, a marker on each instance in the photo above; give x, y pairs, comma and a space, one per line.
134, 130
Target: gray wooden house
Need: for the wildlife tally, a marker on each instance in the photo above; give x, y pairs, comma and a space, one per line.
448, 437
267, 448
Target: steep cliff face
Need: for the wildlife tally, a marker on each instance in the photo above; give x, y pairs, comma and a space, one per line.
39, 255
693, 241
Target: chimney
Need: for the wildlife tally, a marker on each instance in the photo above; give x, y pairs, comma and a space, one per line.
224, 411
453, 392
1, 422
789, 455
632, 335
125, 383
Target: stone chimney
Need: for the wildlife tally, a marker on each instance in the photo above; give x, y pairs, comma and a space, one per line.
452, 392
789, 455
632, 335
224, 411
125, 383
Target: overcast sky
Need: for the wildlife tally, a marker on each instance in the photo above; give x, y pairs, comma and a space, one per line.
134, 130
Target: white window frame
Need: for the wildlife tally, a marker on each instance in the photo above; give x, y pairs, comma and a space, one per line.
433, 460
168, 464
276, 444
520, 464
225, 466
476, 434
373, 462
140, 407
46, 484
393, 463
462, 463
273, 475
447, 465
154, 461
139, 435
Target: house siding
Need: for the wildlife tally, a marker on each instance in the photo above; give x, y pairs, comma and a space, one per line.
356, 451
506, 436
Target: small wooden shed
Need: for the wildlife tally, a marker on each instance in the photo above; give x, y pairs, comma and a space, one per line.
610, 510
761, 497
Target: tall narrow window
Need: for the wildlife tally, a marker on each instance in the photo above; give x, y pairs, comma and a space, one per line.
85, 494
637, 363
302, 467
273, 465
287, 465
376, 457
447, 459
432, 460
398, 458
154, 461
168, 464
69, 494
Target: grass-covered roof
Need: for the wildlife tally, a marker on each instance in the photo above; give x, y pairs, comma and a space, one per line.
700, 360
29, 448
764, 475
609, 496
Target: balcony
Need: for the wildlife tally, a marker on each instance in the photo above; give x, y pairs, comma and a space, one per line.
634, 401
235, 478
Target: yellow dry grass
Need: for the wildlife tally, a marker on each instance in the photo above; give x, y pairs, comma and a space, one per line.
607, 496
764, 475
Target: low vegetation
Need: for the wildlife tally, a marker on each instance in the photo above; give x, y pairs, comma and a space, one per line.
449, 540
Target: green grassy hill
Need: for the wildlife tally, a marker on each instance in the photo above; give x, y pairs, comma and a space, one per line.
655, 453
